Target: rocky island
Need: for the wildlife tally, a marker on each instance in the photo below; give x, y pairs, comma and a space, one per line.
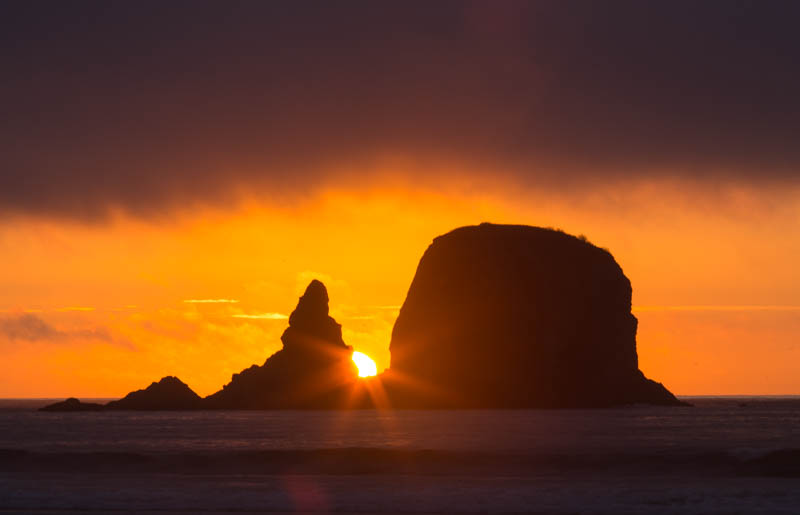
313, 369
512, 316
497, 316
168, 393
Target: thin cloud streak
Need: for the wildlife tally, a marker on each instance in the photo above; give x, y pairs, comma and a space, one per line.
263, 316
641, 309
211, 301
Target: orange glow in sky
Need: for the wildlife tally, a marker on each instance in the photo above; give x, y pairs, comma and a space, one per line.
102, 309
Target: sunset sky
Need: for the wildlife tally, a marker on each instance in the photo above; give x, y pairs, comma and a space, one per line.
173, 176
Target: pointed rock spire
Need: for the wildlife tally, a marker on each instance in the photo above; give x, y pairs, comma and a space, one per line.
310, 320
312, 306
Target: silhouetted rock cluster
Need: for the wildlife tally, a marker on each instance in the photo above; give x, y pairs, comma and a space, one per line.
312, 370
497, 316
518, 316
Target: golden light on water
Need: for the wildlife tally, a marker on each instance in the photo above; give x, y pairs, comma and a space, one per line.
366, 367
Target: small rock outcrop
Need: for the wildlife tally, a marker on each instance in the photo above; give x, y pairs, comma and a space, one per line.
312, 370
73, 404
170, 393
504, 316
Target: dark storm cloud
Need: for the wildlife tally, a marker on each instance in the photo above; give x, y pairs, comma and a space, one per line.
144, 106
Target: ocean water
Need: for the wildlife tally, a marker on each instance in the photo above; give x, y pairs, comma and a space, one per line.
724, 455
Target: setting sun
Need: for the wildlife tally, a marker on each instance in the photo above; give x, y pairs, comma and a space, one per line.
366, 366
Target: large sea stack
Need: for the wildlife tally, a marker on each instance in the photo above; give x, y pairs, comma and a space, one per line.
314, 368
508, 316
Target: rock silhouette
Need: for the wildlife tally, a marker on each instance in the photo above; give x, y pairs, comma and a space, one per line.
497, 316
73, 404
504, 316
170, 393
312, 370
